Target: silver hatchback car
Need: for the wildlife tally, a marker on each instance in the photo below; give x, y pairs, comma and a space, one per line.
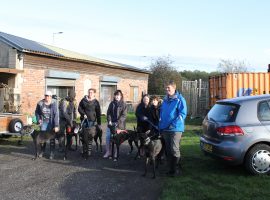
237, 131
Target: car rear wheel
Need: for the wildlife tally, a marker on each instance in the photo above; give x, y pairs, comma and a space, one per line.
258, 159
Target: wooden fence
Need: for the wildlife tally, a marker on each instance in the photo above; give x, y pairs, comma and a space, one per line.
196, 94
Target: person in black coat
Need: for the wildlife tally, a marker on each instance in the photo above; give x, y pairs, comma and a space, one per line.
68, 115
155, 109
116, 113
143, 114
89, 108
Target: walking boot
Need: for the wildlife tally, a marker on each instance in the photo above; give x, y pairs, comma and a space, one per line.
174, 167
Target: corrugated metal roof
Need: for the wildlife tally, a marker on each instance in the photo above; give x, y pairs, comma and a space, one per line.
26, 45
30, 46
129, 66
76, 55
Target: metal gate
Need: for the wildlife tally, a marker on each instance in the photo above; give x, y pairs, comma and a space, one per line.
196, 94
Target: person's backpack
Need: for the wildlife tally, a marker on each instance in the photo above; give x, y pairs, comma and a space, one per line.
61, 103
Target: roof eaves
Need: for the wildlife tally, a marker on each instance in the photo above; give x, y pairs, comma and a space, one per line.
107, 65
42, 53
12, 44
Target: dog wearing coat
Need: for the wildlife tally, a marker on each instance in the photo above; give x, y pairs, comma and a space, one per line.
118, 137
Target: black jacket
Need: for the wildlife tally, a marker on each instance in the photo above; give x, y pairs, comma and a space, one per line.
91, 109
155, 114
141, 112
117, 111
68, 110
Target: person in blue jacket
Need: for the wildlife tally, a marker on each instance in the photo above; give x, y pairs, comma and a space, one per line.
47, 115
173, 112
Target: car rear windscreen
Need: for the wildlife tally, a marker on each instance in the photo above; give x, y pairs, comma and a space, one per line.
223, 112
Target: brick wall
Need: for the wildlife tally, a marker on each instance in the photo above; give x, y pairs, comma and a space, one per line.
33, 88
34, 78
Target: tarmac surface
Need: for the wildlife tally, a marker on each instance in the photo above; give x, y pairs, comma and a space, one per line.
75, 178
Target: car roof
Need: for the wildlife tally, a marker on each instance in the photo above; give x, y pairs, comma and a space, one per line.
243, 99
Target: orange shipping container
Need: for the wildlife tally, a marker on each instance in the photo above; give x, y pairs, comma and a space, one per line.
232, 85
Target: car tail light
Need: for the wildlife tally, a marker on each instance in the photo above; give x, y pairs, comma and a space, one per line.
228, 158
230, 130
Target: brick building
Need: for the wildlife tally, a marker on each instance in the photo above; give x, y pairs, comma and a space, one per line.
29, 68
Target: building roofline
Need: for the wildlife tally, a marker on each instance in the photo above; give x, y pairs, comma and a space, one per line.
51, 51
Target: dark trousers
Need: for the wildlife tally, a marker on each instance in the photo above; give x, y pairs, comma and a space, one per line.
172, 143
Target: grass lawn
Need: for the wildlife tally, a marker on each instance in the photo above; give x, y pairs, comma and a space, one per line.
206, 178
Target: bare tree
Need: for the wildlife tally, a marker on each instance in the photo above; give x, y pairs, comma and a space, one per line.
232, 66
162, 71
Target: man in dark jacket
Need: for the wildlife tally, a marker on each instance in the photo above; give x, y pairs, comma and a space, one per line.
68, 114
173, 112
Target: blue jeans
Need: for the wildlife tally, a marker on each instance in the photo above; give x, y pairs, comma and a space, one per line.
46, 126
88, 124
108, 135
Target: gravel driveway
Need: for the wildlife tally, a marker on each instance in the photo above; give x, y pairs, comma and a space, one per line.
75, 178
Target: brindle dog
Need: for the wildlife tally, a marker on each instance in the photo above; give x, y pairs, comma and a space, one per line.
41, 137
152, 145
87, 135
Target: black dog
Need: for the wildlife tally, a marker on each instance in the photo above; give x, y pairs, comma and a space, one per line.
134, 138
98, 136
75, 130
117, 138
41, 137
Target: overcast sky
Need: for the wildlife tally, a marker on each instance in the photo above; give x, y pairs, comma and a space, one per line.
195, 33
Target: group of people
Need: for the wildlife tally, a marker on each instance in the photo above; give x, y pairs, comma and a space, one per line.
168, 117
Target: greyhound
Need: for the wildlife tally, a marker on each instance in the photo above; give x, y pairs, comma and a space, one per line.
152, 145
118, 137
41, 137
